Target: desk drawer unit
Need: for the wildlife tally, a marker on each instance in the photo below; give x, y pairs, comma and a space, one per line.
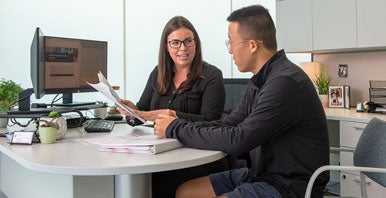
349, 180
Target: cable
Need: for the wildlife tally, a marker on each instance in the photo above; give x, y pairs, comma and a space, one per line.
14, 121
54, 100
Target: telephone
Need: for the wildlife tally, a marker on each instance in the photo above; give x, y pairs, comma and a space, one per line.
371, 106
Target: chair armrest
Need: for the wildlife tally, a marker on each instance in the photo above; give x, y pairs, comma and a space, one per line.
351, 150
339, 168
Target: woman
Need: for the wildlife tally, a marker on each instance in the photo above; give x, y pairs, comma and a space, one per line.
191, 88
182, 81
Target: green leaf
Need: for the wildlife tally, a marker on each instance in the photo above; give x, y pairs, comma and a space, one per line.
323, 81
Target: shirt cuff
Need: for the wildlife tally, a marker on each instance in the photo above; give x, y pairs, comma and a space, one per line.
170, 133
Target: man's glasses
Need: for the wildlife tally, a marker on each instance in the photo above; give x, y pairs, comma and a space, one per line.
188, 42
230, 43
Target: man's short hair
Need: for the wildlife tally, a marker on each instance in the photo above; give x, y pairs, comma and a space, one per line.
255, 22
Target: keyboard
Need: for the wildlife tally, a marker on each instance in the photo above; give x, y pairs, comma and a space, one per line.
99, 126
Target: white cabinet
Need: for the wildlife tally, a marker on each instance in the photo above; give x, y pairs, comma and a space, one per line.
371, 23
349, 180
334, 24
330, 25
294, 25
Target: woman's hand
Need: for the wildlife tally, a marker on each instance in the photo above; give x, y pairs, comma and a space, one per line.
153, 115
127, 103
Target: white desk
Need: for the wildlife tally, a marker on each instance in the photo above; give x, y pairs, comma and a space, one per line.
351, 114
345, 127
58, 170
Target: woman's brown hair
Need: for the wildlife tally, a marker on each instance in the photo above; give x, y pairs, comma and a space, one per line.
165, 62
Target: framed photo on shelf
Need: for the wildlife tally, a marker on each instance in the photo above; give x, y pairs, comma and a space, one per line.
335, 96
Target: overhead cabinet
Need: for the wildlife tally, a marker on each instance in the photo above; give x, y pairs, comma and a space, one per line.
371, 23
294, 25
330, 25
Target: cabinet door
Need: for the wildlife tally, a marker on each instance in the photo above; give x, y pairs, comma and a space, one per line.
294, 25
349, 185
334, 24
371, 26
350, 132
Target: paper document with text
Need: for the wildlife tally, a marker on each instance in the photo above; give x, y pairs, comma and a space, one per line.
104, 87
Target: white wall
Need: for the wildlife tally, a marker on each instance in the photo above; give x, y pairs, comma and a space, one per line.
87, 19
145, 22
103, 20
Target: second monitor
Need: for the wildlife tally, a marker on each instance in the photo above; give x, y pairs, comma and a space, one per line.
64, 65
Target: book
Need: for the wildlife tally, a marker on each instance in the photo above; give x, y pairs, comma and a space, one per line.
105, 88
146, 144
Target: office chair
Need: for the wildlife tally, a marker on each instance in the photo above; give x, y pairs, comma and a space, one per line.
369, 157
234, 89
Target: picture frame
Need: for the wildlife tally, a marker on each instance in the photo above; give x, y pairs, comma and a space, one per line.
336, 96
343, 70
22, 137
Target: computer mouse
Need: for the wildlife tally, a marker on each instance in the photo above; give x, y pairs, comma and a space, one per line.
115, 117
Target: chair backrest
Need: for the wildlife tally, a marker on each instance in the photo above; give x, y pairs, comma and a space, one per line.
234, 89
371, 149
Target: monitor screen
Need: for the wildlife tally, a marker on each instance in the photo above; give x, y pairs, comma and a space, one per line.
64, 65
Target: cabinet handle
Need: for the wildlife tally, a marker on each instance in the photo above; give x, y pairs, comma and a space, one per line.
358, 181
358, 128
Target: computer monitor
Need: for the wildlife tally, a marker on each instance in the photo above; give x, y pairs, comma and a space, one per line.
64, 65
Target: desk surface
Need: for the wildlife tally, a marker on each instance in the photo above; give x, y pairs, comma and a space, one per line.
351, 115
73, 157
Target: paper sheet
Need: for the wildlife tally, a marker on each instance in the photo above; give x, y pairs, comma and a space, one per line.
104, 87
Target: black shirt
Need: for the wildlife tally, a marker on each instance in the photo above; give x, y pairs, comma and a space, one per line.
203, 102
280, 121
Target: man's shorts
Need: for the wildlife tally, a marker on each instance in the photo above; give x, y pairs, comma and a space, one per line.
236, 183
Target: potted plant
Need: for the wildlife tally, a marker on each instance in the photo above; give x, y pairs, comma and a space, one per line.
322, 82
9, 93
48, 129
101, 112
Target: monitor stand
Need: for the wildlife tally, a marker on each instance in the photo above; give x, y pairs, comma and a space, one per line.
74, 104
67, 102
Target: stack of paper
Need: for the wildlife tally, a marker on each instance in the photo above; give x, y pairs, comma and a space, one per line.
104, 87
148, 144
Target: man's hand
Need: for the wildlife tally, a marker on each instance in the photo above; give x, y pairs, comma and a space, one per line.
162, 122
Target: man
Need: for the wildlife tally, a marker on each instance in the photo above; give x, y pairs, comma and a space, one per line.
279, 120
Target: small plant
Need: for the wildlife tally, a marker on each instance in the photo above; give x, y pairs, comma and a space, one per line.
323, 81
52, 122
102, 103
9, 93
114, 110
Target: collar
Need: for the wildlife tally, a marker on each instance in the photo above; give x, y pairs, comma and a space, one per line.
259, 79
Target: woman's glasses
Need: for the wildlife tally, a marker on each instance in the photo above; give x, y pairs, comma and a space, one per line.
175, 43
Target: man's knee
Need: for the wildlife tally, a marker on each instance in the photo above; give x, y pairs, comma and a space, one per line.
200, 187
183, 190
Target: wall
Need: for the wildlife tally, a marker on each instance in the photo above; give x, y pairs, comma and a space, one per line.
144, 24
132, 29
362, 67
86, 19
